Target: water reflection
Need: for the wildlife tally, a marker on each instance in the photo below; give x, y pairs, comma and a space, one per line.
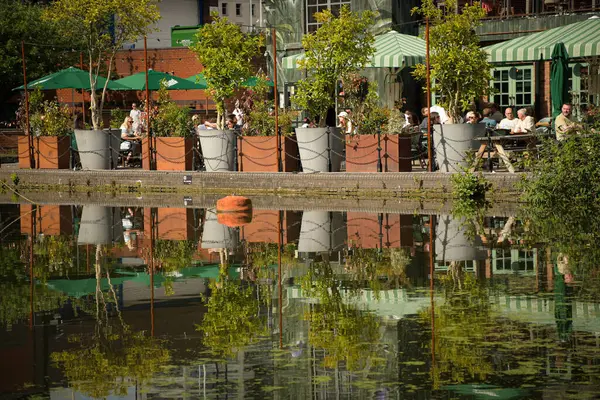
141, 302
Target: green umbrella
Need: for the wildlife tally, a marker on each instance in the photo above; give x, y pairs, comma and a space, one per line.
558, 78
250, 82
69, 78
198, 78
138, 81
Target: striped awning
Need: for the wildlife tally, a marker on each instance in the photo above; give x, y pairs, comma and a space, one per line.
581, 39
392, 49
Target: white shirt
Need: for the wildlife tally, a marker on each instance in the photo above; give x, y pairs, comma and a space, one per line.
441, 112
135, 115
507, 124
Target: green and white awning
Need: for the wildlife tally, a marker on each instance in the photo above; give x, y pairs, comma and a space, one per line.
581, 39
392, 49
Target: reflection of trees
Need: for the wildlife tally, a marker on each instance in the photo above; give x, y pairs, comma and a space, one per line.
171, 256
381, 269
104, 362
54, 256
345, 333
232, 319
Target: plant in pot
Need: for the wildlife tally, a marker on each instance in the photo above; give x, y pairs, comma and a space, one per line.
257, 150
173, 136
104, 26
339, 47
460, 73
51, 126
226, 53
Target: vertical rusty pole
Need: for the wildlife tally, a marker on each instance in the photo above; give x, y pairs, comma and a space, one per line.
148, 136
27, 130
152, 223
276, 100
279, 244
428, 83
82, 92
432, 286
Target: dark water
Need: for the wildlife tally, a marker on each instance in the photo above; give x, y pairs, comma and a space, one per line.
169, 303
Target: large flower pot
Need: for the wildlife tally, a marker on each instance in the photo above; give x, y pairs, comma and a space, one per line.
98, 149
362, 154
49, 152
259, 154
218, 149
264, 227
322, 231
452, 141
175, 223
453, 244
172, 153
217, 236
50, 220
100, 225
313, 145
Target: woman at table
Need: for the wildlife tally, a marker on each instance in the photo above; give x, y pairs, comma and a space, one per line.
131, 140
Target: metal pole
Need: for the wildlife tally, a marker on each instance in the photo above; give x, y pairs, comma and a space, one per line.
27, 129
279, 244
428, 83
152, 226
432, 286
82, 92
379, 166
276, 100
148, 135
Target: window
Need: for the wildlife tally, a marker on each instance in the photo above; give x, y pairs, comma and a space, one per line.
238, 9
253, 9
513, 86
223, 8
579, 77
313, 6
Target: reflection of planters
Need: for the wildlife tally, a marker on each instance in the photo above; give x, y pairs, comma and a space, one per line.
49, 220
94, 147
172, 153
49, 152
217, 236
100, 225
322, 231
259, 154
175, 223
451, 143
452, 243
218, 149
320, 149
362, 154
264, 227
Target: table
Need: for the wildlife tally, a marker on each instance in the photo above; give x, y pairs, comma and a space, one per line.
497, 142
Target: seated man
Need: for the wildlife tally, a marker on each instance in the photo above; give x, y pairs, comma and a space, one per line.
487, 118
563, 124
525, 123
509, 122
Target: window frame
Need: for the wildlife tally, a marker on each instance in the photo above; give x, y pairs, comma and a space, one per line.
512, 84
312, 6
238, 9
224, 9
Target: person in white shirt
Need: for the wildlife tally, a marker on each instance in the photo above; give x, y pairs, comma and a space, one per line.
509, 122
525, 123
441, 112
135, 114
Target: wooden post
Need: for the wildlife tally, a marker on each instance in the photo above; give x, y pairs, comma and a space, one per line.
428, 95
27, 128
276, 100
150, 157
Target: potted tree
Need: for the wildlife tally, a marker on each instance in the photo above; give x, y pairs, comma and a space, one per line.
104, 26
339, 47
460, 73
257, 148
51, 125
173, 136
226, 53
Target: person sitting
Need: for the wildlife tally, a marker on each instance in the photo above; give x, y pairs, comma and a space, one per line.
307, 123
496, 114
344, 123
525, 123
425, 114
472, 117
509, 122
131, 140
563, 123
487, 118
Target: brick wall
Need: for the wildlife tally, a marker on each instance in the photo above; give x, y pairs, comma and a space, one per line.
545, 107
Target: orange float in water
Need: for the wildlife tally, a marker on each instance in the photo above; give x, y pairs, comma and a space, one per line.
234, 219
234, 211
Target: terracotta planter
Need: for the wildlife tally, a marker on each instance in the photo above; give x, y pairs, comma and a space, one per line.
49, 220
364, 230
172, 153
362, 154
49, 152
175, 223
264, 227
259, 154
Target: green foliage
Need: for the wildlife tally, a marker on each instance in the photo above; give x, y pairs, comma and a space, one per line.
231, 321
51, 119
172, 256
226, 53
54, 256
561, 198
117, 116
260, 120
339, 47
171, 120
469, 190
14, 178
460, 72
45, 49
103, 26
361, 97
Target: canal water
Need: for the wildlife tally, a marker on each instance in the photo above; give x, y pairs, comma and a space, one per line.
141, 303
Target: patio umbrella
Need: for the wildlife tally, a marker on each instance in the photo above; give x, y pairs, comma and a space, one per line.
199, 78
558, 78
138, 81
250, 82
69, 78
